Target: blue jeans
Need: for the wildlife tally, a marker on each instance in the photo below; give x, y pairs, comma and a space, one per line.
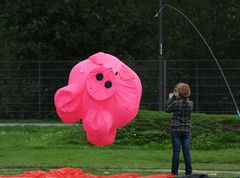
184, 139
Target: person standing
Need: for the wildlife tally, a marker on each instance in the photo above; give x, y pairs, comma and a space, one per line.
179, 104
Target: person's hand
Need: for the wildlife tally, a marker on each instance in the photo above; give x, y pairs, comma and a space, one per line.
170, 95
176, 94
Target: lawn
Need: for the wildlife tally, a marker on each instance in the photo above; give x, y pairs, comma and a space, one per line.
31, 147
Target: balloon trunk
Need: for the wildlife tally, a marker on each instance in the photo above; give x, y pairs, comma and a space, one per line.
67, 103
99, 127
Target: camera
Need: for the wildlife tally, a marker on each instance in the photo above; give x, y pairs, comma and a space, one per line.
175, 95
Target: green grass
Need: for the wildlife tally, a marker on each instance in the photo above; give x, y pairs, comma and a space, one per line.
129, 157
143, 144
91, 158
54, 147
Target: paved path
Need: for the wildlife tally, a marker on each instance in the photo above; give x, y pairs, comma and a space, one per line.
208, 172
35, 124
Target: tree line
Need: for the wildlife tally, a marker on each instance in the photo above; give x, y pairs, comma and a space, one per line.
75, 29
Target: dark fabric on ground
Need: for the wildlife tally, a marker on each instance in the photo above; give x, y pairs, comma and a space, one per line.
194, 176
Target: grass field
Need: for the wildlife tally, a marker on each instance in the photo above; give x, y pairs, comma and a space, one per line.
27, 148
90, 157
31, 148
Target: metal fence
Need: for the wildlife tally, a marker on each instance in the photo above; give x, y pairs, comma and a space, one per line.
27, 87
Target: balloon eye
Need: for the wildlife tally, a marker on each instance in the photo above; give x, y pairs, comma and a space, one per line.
99, 76
116, 73
108, 84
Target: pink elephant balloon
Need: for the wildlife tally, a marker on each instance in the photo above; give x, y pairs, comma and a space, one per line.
103, 93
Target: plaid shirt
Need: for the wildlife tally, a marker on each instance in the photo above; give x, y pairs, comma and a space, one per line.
181, 119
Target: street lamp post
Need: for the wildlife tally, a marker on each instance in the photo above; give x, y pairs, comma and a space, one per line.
161, 62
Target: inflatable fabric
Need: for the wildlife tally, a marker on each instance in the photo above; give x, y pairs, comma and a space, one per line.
103, 93
77, 173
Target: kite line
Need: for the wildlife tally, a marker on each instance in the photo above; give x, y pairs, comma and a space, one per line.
214, 57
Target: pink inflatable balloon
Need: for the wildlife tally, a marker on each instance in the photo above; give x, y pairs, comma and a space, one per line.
103, 93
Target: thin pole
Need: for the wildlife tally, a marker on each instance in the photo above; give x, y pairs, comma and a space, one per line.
161, 64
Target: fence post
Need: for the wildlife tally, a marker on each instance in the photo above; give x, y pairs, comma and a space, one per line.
164, 82
196, 87
39, 88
